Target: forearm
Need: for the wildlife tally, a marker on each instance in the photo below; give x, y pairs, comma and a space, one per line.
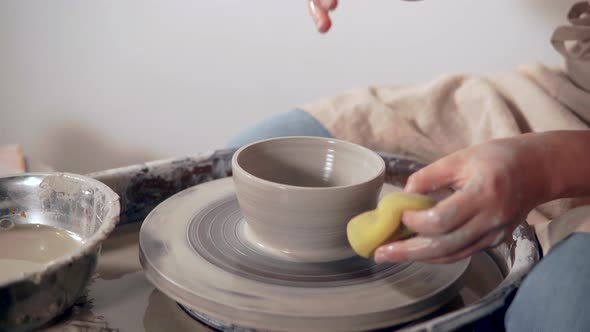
561, 160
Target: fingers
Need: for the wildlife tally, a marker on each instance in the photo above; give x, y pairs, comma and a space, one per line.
435, 176
327, 5
489, 241
318, 9
423, 248
320, 17
444, 217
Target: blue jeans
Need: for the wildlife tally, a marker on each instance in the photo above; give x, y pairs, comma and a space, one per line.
293, 123
555, 296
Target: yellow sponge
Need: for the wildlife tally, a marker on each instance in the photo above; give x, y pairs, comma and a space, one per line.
369, 230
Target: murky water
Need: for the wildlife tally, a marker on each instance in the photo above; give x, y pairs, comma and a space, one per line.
28, 248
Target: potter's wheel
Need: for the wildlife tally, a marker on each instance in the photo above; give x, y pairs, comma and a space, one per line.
194, 249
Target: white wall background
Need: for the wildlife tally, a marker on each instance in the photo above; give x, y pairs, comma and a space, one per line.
88, 85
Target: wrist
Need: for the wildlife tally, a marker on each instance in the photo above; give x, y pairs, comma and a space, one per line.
534, 170
559, 164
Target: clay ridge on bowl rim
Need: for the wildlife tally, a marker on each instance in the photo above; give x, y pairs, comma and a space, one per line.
369, 152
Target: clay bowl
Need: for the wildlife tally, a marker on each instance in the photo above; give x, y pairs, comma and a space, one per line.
298, 193
73, 203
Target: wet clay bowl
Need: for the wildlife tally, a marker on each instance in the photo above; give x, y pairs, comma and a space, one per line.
298, 193
81, 206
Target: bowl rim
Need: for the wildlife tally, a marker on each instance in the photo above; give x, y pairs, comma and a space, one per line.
378, 176
90, 246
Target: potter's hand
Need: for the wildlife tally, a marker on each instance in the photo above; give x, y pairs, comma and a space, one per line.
496, 185
319, 11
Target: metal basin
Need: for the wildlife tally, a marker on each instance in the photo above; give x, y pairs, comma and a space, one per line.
74, 203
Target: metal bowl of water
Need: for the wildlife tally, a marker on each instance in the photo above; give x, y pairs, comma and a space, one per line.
51, 229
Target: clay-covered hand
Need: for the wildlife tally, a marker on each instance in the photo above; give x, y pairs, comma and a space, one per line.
495, 185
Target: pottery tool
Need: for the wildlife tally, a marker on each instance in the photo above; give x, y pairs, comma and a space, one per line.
369, 230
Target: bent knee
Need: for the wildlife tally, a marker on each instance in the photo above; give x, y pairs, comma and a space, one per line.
555, 296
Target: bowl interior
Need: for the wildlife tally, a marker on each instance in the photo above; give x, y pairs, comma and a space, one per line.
66, 202
310, 162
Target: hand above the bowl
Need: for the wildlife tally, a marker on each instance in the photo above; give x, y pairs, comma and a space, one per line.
320, 13
497, 184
